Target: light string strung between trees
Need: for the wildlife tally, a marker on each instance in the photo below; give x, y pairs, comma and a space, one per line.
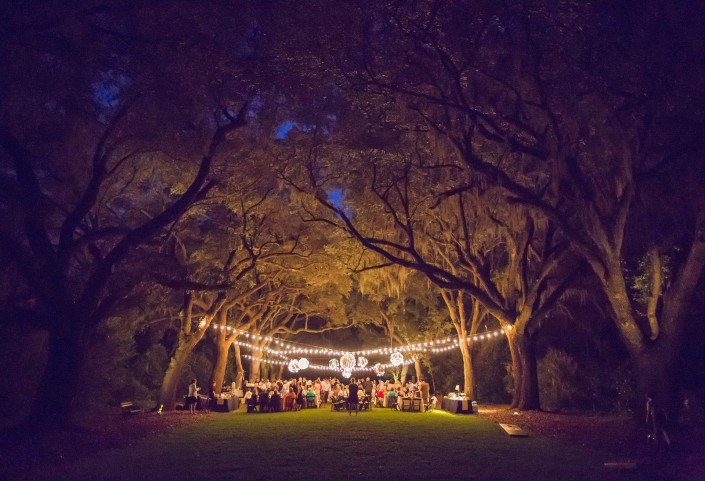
289, 347
348, 363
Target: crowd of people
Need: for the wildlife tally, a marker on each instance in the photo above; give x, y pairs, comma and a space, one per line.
294, 394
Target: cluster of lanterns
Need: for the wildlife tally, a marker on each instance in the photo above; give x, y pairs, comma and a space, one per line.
348, 363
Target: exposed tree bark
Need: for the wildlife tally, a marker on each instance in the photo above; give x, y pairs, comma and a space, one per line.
417, 368
404, 373
189, 337
255, 365
220, 361
239, 369
59, 383
524, 367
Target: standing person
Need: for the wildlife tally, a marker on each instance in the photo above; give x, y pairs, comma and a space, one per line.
425, 390
368, 385
211, 398
656, 418
300, 396
317, 388
353, 398
325, 390
192, 398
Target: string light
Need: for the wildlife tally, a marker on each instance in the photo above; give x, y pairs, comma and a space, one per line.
289, 348
348, 362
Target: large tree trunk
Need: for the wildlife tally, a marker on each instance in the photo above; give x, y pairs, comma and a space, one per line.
172, 376
52, 407
220, 363
239, 370
654, 362
417, 368
255, 365
404, 373
468, 370
522, 347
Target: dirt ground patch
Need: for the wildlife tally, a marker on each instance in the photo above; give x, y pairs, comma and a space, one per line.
620, 437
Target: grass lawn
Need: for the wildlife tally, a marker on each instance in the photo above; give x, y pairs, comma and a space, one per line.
323, 445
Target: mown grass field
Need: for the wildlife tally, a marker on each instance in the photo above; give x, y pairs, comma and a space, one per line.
321, 445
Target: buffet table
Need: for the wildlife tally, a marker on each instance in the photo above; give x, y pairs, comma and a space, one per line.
457, 406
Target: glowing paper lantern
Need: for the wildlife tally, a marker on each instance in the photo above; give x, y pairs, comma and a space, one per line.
347, 361
303, 363
333, 364
378, 369
362, 362
294, 365
397, 359
347, 373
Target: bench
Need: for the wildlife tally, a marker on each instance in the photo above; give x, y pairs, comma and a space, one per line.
128, 407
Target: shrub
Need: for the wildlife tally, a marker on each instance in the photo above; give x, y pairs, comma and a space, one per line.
559, 381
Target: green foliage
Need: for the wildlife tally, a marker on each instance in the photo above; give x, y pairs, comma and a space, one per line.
107, 375
199, 367
566, 384
149, 367
622, 388
558, 380
490, 359
447, 371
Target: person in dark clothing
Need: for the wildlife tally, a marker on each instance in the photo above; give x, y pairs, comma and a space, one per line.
353, 398
656, 420
212, 397
368, 387
252, 401
300, 398
275, 402
263, 401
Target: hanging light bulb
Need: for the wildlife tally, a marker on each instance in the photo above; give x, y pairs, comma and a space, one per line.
294, 366
303, 363
362, 362
333, 364
378, 369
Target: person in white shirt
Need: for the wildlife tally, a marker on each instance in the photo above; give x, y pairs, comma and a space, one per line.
325, 390
192, 399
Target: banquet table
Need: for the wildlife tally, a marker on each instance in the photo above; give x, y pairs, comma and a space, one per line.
226, 404
457, 406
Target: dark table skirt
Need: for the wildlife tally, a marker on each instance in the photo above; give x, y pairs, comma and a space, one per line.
457, 406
